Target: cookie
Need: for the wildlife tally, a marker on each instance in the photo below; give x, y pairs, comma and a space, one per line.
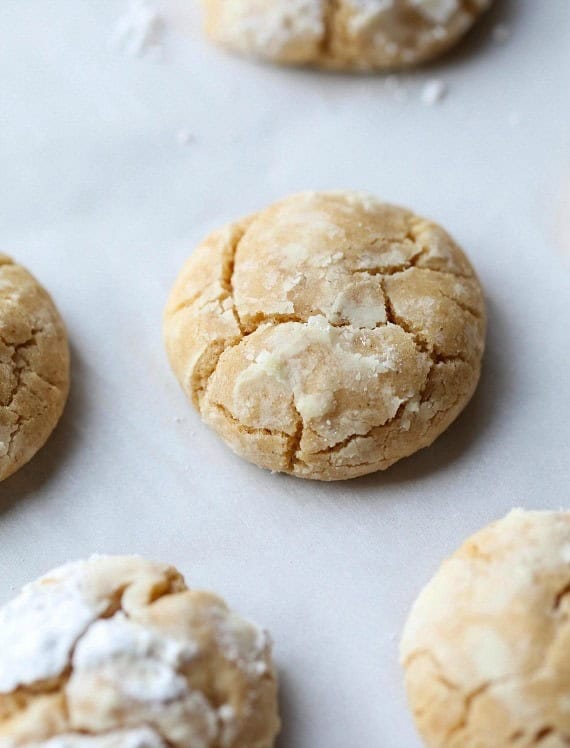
136, 738
344, 34
329, 335
485, 648
34, 366
117, 652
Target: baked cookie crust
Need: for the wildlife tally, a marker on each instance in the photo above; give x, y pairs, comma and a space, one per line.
34, 366
329, 335
117, 652
485, 649
343, 34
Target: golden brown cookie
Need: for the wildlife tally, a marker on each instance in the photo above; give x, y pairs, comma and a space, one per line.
117, 652
486, 645
350, 34
34, 366
329, 335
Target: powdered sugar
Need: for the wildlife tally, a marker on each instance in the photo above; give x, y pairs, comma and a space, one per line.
140, 31
273, 26
243, 643
514, 119
437, 11
141, 738
395, 86
185, 137
400, 88
433, 91
40, 627
142, 663
286, 360
366, 12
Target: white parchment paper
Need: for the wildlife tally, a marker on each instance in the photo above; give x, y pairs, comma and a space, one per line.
112, 168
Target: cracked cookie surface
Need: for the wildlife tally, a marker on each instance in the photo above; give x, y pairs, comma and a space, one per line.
349, 34
329, 335
117, 652
34, 366
485, 648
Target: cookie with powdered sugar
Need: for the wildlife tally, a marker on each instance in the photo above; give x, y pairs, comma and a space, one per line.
117, 652
34, 366
351, 34
329, 335
485, 648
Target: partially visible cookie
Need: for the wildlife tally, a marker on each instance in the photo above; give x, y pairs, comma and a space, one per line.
329, 335
117, 652
350, 34
142, 737
34, 366
485, 648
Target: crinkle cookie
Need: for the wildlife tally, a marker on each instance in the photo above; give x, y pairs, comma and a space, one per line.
117, 652
329, 335
34, 366
357, 34
486, 645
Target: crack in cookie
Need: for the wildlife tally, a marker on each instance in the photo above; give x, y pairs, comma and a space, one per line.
342, 34
465, 649
289, 346
137, 655
34, 367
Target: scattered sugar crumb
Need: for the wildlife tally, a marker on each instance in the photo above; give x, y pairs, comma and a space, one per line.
433, 91
185, 137
178, 419
226, 713
396, 88
514, 119
140, 31
501, 33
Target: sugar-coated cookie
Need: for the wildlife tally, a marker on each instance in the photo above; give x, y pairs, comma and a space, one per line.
34, 366
329, 335
117, 652
351, 34
486, 645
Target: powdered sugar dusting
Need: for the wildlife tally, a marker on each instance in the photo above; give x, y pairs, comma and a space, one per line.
437, 11
395, 86
367, 11
274, 25
286, 361
185, 137
141, 662
116, 661
433, 91
140, 31
40, 627
243, 643
140, 738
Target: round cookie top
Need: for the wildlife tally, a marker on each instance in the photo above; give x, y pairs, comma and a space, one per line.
329, 335
486, 645
357, 34
116, 652
34, 366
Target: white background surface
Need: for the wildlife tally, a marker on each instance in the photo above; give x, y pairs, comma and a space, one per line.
103, 204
